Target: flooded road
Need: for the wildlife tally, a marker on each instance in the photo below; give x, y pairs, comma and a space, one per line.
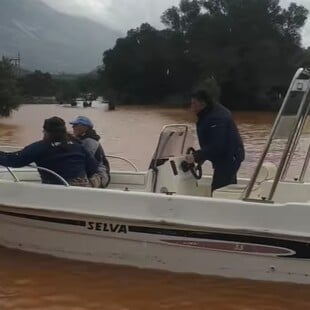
29, 281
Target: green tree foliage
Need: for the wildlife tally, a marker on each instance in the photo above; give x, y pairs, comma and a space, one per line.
147, 65
181, 18
250, 48
38, 84
9, 97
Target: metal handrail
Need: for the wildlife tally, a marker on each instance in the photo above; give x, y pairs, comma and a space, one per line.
126, 160
16, 179
283, 160
109, 156
270, 139
300, 126
302, 123
305, 167
12, 174
51, 172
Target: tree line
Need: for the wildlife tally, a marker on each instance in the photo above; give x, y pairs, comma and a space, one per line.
16, 89
247, 49
243, 51
63, 87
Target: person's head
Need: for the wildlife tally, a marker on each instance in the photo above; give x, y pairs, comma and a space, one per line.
200, 100
81, 125
54, 129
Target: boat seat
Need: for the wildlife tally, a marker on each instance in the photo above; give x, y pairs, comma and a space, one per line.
235, 191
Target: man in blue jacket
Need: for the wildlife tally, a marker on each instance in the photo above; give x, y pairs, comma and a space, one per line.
219, 139
56, 152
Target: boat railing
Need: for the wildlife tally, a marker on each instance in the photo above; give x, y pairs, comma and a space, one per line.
125, 160
65, 183
16, 179
16, 148
295, 105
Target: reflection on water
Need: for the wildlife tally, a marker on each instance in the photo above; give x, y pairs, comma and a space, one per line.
30, 281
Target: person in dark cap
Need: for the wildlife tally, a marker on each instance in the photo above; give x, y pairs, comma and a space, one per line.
56, 152
83, 129
219, 139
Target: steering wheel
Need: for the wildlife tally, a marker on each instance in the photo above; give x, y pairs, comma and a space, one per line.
194, 168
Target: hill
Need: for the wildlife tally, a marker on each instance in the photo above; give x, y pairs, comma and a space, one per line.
51, 41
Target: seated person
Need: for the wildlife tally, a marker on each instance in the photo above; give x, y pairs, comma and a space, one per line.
83, 129
56, 152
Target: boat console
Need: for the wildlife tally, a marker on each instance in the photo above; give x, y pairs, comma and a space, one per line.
170, 173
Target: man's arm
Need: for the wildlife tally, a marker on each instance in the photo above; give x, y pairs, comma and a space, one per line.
21, 158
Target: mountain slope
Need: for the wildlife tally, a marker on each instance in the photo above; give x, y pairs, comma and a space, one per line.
49, 40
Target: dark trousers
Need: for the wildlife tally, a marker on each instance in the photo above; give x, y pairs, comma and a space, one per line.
225, 174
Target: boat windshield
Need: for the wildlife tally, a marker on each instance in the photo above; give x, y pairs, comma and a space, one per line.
174, 140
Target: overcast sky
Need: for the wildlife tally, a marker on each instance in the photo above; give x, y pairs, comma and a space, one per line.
126, 14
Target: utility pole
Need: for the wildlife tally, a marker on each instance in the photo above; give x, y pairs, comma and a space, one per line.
16, 63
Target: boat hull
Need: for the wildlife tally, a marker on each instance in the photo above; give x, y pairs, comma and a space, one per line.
150, 245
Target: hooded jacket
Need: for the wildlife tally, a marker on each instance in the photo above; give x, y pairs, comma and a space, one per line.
218, 136
90, 140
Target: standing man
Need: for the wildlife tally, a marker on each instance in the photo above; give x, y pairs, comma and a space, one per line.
219, 139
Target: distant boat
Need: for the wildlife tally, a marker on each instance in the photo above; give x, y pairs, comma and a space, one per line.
81, 103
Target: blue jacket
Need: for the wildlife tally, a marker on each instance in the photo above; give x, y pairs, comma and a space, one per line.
218, 136
70, 163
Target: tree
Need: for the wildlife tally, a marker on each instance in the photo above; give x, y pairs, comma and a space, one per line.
9, 95
181, 18
146, 66
250, 48
38, 84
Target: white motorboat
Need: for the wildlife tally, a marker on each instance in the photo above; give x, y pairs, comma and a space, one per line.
166, 218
